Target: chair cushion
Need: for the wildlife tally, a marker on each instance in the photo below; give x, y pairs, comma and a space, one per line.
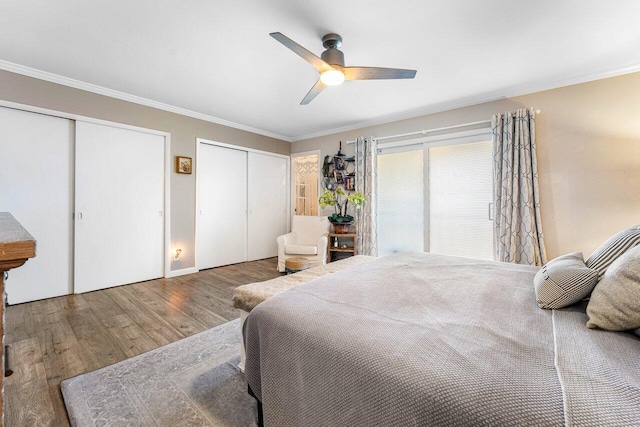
300, 250
308, 229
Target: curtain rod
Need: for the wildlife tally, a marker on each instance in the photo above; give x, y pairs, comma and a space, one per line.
426, 131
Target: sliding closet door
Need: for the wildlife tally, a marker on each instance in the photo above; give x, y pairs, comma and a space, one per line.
36, 181
119, 206
268, 192
222, 206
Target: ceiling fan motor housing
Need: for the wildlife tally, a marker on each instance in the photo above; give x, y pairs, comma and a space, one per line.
332, 55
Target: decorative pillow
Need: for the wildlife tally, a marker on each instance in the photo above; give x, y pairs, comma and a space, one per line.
615, 302
610, 250
564, 281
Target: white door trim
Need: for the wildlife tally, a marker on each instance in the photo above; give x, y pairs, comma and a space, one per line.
167, 156
240, 147
292, 179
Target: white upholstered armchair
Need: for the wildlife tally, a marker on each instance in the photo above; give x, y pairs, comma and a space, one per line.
308, 239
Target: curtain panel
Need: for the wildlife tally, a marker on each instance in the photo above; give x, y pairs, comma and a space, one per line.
366, 221
518, 228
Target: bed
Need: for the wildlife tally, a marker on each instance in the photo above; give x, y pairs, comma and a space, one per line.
421, 339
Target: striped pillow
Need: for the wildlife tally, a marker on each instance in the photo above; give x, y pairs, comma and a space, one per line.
564, 281
615, 302
610, 250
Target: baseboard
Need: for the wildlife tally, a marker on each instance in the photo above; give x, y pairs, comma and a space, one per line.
182, 272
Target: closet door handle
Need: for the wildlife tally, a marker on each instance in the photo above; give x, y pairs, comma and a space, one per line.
490, 211
79, 216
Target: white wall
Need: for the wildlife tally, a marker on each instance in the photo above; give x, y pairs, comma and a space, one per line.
588, 138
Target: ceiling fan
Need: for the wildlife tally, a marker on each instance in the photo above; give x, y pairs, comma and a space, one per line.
331, 67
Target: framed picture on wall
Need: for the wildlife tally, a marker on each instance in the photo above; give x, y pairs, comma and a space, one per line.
350, 183
183, 164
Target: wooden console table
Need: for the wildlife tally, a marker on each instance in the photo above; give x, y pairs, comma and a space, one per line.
16, 247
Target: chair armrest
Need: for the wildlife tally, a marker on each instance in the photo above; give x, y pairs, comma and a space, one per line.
285, 239
323, 242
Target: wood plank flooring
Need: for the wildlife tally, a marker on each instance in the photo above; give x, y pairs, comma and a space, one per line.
59, 338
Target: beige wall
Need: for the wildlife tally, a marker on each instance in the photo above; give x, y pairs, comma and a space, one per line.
184, 131
588, 138
588, 150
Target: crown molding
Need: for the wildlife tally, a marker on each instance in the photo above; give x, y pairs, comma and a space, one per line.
77, 84
514, 91
446, 106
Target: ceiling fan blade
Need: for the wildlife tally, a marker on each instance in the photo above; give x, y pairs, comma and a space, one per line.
308, 56
374, 73
315, 90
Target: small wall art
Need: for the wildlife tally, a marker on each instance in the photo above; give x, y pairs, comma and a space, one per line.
183, 164
350, 183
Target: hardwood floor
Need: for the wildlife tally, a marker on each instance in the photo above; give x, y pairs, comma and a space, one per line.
59, 338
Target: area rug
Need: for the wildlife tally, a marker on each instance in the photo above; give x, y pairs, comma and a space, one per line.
191, 382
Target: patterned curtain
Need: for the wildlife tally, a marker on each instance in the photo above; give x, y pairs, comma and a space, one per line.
366, 221
518, 229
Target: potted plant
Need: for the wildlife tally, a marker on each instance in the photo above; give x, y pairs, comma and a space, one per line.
337, 198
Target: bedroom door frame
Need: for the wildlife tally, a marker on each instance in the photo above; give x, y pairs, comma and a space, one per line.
292, 178
167, 163
424, 144
233, 147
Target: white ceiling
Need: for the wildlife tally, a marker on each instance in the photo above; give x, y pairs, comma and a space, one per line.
216, 59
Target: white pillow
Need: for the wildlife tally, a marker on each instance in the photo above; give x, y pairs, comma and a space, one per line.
564, 281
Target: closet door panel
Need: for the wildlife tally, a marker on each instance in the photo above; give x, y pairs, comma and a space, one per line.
119, 206
268, 192
222, 205
36, 186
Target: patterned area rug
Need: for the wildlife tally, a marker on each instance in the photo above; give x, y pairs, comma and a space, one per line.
194, 381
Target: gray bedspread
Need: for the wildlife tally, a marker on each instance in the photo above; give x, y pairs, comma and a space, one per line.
419, 339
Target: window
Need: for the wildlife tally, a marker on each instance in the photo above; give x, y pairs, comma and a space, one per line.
400, 202
435, 195
305, 184
460, 193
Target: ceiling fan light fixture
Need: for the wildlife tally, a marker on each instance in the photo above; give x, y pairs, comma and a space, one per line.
331, 66
332, 77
